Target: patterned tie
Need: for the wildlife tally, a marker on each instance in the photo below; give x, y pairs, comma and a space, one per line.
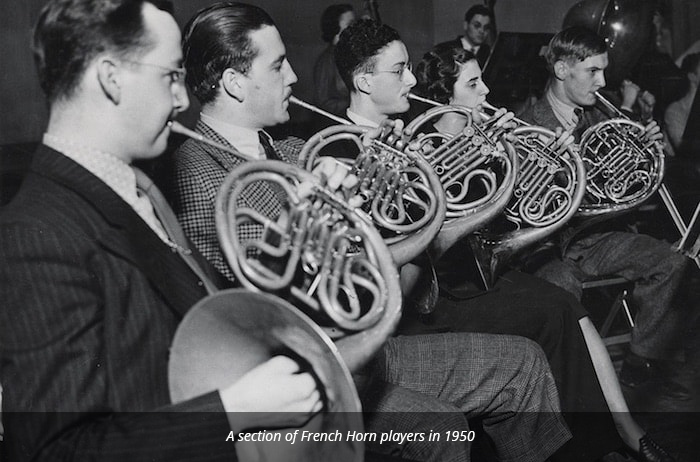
269, 150
169, 223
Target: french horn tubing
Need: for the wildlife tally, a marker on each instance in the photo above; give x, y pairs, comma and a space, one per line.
622, 169
547, 190
400, 191
314, 250
477, 176
325, 258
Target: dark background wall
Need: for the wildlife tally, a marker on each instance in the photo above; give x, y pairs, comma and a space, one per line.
420, 22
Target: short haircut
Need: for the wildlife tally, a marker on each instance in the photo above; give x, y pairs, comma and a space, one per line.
330, 20
478, 9
439, 69
690, 63
358, 46
69, 34
574, 44
218, 38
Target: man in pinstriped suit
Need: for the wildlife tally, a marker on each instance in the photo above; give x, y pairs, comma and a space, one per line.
248, 91
92, 285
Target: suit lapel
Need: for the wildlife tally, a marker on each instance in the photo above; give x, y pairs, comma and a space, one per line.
126, 234
262, 197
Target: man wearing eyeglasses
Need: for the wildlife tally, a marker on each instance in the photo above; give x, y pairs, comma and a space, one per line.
94, 280
377, 70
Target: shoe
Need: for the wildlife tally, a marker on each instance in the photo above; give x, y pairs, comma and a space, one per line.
637, 370
650, 451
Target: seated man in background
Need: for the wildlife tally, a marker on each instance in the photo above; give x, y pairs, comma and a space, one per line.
93, 283
478, 21
577, 60
248, 91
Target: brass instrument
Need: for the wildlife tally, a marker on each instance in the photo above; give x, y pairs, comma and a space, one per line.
313, 250
622, 169
400, 191
228, 333
478, 177
547, 190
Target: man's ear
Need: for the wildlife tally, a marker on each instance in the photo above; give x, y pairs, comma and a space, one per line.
234, 84
362, 83
109, 76
561, 69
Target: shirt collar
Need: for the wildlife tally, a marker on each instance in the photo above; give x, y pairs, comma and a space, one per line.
245, 140
565, 113
468, 46
114, 172
359, 120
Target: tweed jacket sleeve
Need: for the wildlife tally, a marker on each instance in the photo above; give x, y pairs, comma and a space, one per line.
200, 170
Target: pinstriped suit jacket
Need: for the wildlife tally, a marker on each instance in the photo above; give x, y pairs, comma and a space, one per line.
91, 298
200, 169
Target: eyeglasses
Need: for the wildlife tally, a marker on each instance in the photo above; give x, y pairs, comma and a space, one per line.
400, 73
176, 75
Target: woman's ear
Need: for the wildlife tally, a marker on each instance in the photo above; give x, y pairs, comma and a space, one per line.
234, 83
109, 77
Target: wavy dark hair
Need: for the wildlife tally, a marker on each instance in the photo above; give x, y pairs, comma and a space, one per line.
478, 9
358, 46
574, 44
330, 20
69, 34
218, 38
439, 69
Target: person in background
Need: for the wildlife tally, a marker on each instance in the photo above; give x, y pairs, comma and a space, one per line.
478, 21
330, 93
677, 113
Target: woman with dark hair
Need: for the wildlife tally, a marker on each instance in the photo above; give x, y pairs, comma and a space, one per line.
451, 75
330, 93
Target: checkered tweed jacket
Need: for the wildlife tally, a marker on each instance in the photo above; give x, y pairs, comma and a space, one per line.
200, 169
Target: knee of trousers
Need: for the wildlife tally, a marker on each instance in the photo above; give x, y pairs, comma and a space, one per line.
526, 358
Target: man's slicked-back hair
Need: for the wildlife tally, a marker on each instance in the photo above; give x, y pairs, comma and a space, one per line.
218, 38
358, 46
69, 34
477, 9
574, 44
439, 70
330, 20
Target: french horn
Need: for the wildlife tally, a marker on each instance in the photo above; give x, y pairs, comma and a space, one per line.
314, 251
547, 190
622, 169
401, 193
477, 176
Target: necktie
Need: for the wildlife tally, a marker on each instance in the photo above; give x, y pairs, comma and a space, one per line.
578, 114
269, 150
173, 230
